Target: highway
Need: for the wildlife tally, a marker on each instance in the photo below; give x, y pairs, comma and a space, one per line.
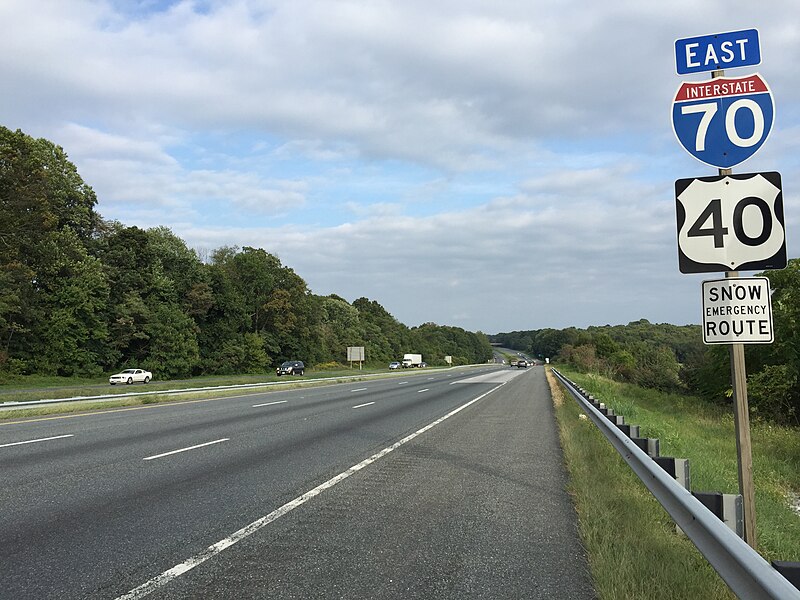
439, 484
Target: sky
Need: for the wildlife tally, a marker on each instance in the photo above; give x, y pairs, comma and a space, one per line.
496, 166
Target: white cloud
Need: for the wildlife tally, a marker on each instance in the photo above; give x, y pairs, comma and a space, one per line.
558, 259
316, 150
453, 160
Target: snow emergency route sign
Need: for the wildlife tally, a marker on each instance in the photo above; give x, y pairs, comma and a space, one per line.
737, 311
724, 121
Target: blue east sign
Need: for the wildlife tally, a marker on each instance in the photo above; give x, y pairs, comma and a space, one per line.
717, 51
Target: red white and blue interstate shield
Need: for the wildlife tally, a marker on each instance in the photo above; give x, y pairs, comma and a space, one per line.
724, 121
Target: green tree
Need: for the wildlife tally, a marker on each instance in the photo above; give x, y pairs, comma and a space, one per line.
385, 335
656, 367
128, 260
772, 394
43, 201
128, 327
172, 343
40, 192
622, 364
178, 264
340, 326
224, 322
604, 344
74, 293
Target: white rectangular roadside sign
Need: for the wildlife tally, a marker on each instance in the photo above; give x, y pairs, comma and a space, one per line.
737, 311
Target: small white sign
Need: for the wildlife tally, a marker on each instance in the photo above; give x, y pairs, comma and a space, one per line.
737, 311
355, 353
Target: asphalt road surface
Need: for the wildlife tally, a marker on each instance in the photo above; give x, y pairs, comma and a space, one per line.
446, 484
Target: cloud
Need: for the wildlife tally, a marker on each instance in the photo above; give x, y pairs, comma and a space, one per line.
567, 263
85, 141
495, 165
316, 150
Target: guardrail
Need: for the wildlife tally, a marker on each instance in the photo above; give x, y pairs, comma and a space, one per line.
742, 568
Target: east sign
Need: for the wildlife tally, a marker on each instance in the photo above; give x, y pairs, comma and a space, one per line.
717, 51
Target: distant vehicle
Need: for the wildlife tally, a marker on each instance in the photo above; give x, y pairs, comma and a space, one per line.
522, 364
394, 365
130, 376
291, 367
422, 365
412, 360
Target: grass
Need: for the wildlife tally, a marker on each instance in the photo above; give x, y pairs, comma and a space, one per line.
631, 541
111, 403
37, 387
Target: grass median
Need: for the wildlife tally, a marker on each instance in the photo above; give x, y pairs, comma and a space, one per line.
144, 394
633, 547
35, 388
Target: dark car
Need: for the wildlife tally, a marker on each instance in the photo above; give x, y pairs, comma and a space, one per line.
291, 367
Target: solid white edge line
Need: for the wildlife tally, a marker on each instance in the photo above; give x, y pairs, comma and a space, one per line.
201, 557
186, 449
56, 437
363, 405
270, 403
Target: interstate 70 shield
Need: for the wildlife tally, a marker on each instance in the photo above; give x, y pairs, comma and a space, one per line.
724, 121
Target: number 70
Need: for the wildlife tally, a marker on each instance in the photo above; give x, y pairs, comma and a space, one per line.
709, 109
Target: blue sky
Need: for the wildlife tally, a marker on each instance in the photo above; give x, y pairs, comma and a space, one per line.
495, 166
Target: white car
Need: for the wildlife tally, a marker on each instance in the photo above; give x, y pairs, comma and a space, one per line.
131, 376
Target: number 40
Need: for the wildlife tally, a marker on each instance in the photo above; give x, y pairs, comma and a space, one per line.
717, 230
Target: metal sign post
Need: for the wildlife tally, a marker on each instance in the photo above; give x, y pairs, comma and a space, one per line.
741, 419
744, 447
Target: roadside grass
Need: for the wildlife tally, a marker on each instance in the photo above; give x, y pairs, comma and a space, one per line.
67, 408
633, 547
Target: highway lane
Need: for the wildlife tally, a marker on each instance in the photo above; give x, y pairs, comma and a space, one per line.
475, 508
95, 504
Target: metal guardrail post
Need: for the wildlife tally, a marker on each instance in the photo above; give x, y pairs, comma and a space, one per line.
742, 568
728, 507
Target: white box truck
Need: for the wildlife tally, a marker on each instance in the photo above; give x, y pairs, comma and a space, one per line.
412, 360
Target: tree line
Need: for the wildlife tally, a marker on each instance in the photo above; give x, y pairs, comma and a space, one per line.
673, 358
81, 295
